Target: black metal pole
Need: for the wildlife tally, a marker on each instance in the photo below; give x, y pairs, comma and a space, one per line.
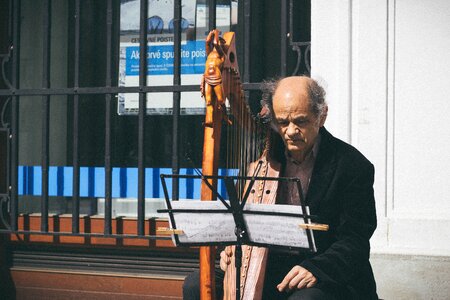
246, 74
247, 41
304, 212
101, 90
14, 208
240, 230
46, 35
283, 38
176, 98
84, 234
108, 98
238, 263
75, 130
142, 112
211, 14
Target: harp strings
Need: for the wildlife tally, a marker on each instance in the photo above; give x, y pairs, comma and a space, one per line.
245, 138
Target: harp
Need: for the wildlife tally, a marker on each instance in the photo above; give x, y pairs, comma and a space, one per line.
247, 140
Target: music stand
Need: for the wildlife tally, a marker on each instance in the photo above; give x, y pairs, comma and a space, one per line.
207, 223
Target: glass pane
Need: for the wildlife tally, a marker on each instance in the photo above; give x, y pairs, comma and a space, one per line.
91, 109
160, 54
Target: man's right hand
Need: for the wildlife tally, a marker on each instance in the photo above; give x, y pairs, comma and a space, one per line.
225, 258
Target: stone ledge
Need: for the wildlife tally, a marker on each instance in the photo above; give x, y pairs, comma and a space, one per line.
401, 276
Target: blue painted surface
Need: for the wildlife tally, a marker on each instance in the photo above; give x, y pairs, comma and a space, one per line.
124, 182
160, 59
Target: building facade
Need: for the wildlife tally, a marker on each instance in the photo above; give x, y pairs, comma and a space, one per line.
388, 69
87, 127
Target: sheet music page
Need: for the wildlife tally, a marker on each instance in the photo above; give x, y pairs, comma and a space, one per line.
203, 227
276, 230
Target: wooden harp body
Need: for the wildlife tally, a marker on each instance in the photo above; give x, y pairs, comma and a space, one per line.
246, 142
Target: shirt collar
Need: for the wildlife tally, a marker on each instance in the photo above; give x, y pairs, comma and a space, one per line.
312, 154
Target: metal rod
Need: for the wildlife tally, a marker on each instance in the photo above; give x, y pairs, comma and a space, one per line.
169, 206
290, 38
116, 236
238, 264
15, 116
10, 14
176, 98
211, 14
246, 65
203, 177
108, 98
46, 36
112, 90
247, 41
247, 212
75, 130
101, 90
304, 212
283, 38
142, 112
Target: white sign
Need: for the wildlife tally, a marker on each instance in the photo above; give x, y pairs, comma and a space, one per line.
160, 53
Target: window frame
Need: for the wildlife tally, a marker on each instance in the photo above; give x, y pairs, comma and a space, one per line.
108, 90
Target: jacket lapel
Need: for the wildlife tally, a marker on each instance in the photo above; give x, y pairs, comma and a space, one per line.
323, 171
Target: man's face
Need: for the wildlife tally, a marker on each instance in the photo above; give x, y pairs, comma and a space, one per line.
296, 124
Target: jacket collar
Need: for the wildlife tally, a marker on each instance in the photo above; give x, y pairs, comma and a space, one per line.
323, 170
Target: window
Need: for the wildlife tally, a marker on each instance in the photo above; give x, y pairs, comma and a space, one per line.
71, 93
87, 57
75, 141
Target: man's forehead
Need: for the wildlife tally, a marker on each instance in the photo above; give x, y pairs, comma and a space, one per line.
291, 91
288, 100
293, 84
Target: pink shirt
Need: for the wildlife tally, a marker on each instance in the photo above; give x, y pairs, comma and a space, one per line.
287, 191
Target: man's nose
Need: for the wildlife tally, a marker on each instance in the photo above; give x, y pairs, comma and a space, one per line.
292, 129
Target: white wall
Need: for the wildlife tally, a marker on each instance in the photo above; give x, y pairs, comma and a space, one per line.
386, 66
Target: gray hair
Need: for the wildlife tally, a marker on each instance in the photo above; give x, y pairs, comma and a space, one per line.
316, 95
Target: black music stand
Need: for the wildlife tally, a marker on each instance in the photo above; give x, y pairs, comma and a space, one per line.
231, 219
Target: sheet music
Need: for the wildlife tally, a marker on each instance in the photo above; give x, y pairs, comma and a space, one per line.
220, 226
276, 230
202, 227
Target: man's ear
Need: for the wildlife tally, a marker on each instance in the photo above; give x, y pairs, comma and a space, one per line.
323, 118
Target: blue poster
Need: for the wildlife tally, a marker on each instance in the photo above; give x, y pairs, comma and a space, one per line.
160, 59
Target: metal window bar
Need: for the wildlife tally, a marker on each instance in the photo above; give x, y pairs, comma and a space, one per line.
211, 14
101, 90
283, 38
108, 100
247, 42
297, 45
177, 13
246, 74
75, 145
14, 208
46, 31
142, 113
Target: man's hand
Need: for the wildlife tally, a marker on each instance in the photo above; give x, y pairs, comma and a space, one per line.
297, 278
225, 258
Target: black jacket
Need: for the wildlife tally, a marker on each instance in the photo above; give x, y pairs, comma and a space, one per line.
341, 195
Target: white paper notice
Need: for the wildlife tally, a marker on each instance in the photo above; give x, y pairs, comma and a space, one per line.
276, 230
203, 227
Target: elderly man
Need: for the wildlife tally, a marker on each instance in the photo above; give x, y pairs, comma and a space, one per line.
337, 184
